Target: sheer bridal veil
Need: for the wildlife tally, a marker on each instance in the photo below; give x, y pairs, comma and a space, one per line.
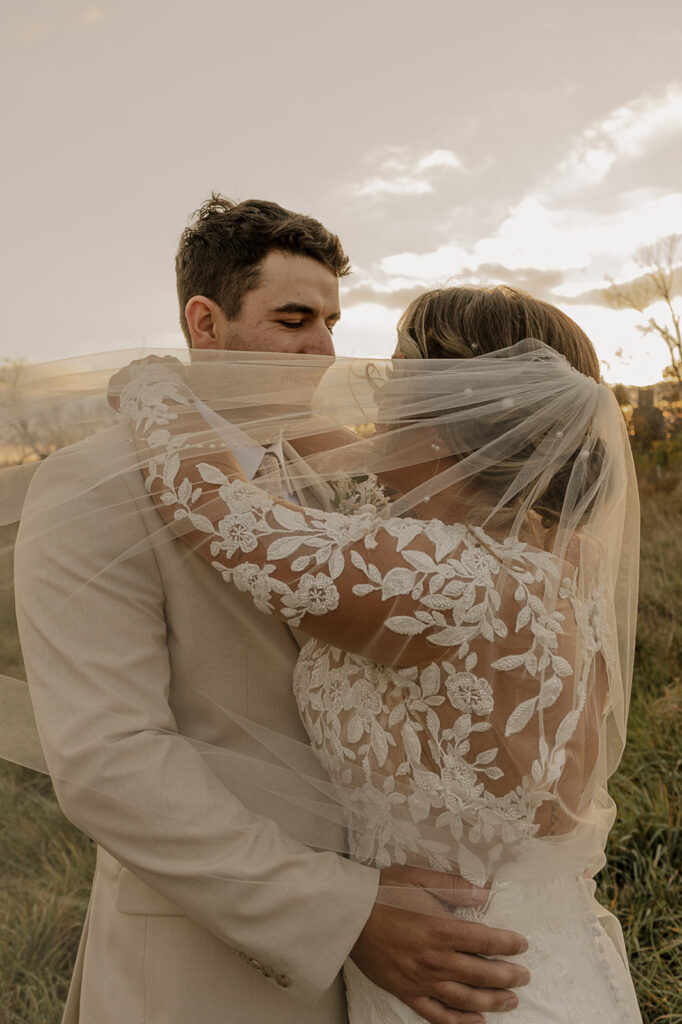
529, 456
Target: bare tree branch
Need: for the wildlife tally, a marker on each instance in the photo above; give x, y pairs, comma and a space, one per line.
661, 282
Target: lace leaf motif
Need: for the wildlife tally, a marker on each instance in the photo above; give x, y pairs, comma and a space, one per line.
414, 724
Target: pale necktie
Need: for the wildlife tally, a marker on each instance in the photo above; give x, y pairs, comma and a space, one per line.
270, 477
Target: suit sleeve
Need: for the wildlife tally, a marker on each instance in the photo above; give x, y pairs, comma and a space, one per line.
90, 606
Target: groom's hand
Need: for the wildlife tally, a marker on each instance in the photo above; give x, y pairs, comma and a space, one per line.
413, 947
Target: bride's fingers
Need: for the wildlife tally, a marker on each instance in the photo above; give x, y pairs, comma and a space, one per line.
119, 380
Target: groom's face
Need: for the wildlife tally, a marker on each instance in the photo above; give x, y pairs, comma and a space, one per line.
293, 308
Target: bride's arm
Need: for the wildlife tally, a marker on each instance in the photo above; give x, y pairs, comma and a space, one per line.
359, 582
342, 579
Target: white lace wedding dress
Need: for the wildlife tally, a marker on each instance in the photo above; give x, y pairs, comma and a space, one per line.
455, 691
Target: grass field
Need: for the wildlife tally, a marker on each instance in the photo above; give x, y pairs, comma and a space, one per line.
46, 864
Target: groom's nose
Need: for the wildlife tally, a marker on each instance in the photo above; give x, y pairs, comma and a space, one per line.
318, 341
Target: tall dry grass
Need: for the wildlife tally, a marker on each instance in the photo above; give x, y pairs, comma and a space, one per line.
642, 881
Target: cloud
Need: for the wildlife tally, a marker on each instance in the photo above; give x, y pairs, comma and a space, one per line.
563, 256
374, 294
640, 285
538, 281
626, 133
439, 158
401, 175
536, 239
399, 293
401, 185
429, 266
534, 233
22, 29
577, 295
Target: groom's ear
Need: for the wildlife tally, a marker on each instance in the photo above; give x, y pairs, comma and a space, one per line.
205, 321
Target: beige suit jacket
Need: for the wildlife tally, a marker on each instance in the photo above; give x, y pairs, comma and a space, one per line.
202, 911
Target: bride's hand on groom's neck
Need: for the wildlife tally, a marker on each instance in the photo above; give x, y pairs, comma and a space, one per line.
414, 947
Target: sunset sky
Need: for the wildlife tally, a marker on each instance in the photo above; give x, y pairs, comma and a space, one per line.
532, 143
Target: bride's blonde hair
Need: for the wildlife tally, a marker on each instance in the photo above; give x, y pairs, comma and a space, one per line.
461, 323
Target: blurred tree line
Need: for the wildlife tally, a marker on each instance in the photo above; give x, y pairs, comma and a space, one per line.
38, 415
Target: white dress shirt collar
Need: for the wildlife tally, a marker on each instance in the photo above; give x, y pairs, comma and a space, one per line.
248, 453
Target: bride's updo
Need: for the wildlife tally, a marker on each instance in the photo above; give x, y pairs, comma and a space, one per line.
461, 323
466, 322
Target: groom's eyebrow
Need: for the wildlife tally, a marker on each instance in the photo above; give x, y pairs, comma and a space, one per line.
299, 307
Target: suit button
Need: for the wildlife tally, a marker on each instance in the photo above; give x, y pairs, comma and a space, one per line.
269, 973
282, 980
255, 963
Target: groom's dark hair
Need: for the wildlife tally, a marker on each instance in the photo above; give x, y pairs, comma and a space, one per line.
222, 247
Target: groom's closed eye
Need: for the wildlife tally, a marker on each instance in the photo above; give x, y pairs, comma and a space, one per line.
306, 313
294, 325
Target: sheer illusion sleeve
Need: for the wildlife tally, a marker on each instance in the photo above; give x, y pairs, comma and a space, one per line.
360, 582
392, 589
369, 585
